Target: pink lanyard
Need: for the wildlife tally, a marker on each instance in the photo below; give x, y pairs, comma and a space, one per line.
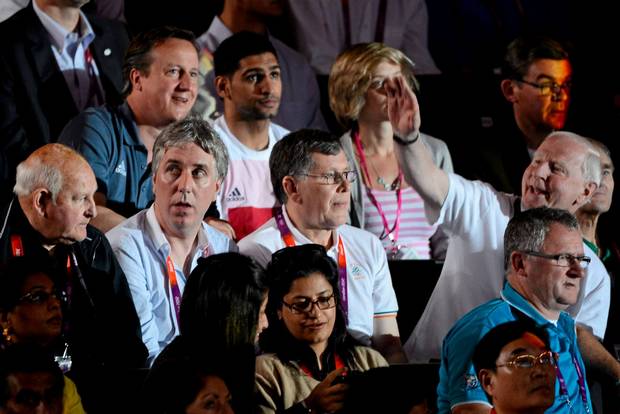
392, 233
289, 241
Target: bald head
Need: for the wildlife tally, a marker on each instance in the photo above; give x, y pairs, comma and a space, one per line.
55, 186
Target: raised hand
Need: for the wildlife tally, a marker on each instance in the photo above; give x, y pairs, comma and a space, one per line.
328, 397
403, 108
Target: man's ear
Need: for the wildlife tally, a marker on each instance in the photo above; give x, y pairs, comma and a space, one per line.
517, 263
586, 195
135, 77
487, 381
41, 200
290, 188
508, 87
222, 86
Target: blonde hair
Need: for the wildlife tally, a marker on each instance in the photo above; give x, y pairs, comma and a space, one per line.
351, 76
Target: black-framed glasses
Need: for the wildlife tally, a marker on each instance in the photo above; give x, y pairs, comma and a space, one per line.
562, 259
527, 361
38, 297
305, 305
550, 88
334, 177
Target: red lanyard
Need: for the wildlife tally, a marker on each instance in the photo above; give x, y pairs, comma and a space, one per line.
392, 233
174, 285
337, 361
289, 240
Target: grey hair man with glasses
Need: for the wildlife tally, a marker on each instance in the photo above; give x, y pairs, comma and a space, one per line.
312, 180
545, 267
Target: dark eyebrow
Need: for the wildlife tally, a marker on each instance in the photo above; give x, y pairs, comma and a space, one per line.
306, 297
543, 76
518, 351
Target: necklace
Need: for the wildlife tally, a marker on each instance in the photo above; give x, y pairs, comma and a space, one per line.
395, 185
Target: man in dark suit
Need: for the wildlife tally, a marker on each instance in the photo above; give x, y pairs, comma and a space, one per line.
54, 62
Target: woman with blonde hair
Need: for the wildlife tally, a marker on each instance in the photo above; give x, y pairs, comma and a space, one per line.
382, 201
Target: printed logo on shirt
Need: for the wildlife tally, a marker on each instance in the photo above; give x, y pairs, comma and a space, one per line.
120, 169
356, 272
235, 195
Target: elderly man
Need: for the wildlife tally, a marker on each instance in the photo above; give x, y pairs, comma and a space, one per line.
161, 81
537, 84
312, 180
545, 267
158, 247
516, 368
50, 218
247, 79
564, 174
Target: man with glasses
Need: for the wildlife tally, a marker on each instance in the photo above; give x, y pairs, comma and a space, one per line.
537, 83
516, 368
312, 180
545, 267
247, 79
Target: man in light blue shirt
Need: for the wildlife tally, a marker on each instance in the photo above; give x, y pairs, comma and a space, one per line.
158, 247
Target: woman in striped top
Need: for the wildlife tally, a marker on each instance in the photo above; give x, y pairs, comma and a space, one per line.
382, 201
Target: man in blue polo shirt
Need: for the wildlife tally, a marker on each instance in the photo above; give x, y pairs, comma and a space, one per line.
545, 266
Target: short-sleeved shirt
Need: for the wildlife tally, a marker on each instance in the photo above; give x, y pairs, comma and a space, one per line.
246, 199
369, 283
142, 249
458, 383
108, 138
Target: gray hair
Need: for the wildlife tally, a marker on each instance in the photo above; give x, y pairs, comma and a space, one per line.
527, 230
292, 155
192, 130
591, 167
44, 169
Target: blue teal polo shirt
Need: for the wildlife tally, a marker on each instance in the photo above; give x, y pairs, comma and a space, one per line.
109, 140
458, 383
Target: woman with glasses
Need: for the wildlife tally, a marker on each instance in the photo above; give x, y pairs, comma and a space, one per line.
31, 313
382, 201
308, 351
516, 368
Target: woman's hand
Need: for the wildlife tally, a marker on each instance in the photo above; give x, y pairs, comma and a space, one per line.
328, 397
403, 109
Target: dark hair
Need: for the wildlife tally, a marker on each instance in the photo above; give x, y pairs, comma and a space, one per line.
138, 55
27, 358
528, 229
490, 346
15, 272
229, 53
222, 299
286, 266
525, 50
292, 155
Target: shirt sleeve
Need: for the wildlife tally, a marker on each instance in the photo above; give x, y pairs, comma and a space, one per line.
383, 295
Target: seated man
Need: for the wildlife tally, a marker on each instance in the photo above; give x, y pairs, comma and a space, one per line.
564, 173
545, 267
158, 247
161, 80
516, 368
49, 218
247, 78
312, 180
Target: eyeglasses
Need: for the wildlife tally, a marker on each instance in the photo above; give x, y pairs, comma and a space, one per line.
334, 177
550, 88
527, 361
40, 296
562, 259
305, 305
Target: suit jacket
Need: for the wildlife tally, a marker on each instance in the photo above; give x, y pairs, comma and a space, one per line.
35, 102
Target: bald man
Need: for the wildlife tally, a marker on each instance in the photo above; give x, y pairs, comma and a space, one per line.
49, 217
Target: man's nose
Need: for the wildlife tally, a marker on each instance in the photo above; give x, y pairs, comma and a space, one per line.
185, 182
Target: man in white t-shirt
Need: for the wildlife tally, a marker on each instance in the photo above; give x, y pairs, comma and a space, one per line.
311, 179
247, 79
564, 173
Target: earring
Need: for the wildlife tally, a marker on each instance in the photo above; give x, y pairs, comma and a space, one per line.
7, 335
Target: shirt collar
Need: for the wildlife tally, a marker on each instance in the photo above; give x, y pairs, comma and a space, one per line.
514, 298
301, 238
60, 36
160, 241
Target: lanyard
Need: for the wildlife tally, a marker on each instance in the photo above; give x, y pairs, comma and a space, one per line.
392, 233
580, 380
289, 240
174, 285
337, 361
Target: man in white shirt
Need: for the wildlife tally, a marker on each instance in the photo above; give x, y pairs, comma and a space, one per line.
158, 247
247, 79
311, 179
